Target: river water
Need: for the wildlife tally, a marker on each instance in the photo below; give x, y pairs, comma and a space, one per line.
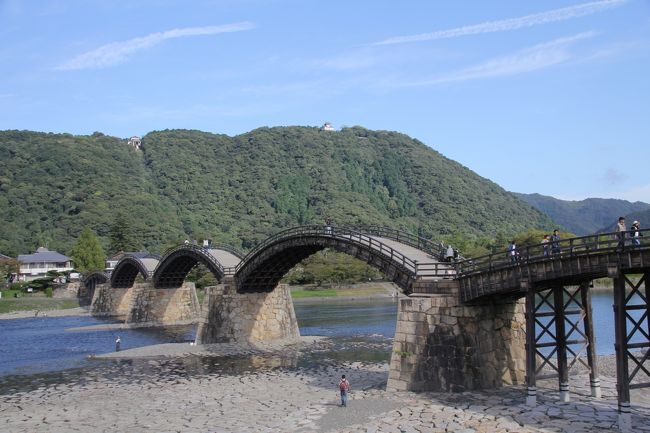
362, 330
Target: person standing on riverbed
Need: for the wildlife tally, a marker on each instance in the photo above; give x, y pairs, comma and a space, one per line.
344, 387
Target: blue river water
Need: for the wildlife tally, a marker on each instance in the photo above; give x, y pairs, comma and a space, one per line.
42, 344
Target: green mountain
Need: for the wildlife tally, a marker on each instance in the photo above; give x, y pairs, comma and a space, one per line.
585, 216
643, 217
239, 190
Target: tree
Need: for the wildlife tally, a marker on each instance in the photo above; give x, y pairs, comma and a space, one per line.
8, 267
122, 235
87, 253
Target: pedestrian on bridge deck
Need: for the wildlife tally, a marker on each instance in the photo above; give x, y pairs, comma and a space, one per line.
449, 255
635, 233
620, 232
555, 242
512, 252
344, 387
328, 226
545, 242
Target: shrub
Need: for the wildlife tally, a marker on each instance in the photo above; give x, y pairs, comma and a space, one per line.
48, 292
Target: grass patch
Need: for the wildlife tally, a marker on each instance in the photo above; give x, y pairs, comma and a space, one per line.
313, 293
27, 303
362, 290
200, 295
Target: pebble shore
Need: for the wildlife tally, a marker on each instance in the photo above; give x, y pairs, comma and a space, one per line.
263, 389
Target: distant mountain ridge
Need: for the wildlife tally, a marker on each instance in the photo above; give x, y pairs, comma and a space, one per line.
643, 217
583, 217
186, 184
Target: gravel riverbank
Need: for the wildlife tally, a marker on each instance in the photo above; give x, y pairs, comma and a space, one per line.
300, 400
78, 311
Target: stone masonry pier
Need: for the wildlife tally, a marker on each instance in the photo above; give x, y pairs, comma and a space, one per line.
142, 302
229, 316
443, 345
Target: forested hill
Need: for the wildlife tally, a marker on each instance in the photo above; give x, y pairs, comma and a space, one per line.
239, 190
585, 216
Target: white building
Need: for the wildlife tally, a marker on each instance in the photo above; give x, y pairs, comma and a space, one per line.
327, 127
37, 265
136, 142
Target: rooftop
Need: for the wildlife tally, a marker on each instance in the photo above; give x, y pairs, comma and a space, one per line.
43, 255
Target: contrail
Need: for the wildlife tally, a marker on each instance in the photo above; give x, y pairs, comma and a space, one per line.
510, 23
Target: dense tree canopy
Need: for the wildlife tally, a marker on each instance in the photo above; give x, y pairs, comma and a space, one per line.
239, 190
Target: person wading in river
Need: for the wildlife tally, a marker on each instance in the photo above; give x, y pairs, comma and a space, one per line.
344, 387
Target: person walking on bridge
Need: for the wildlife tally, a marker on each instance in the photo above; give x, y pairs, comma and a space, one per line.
555, 242
545, 242
449, 255
344, 388
635, 234
512, 252
620, 232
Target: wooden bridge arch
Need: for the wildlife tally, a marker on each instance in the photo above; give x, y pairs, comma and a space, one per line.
402, 257
90, 282
177, 262
129, 267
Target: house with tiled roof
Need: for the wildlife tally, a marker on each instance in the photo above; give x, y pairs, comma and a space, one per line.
37, 265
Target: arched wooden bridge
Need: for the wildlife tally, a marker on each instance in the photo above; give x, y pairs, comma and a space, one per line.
554, 279
414, 264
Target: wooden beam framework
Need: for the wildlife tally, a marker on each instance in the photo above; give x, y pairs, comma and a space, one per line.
632, 329
559, 334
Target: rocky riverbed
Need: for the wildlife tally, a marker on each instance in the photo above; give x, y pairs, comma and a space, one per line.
285, 387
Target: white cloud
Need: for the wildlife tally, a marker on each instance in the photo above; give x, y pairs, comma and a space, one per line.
511, 23
118, 52
527, 60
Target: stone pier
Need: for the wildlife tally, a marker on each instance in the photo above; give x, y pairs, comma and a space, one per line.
442, 345
229, 316
143, 303
109, 301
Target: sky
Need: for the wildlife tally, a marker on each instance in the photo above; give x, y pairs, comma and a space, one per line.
550, 97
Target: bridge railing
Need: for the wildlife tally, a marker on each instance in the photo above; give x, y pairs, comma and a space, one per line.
570, 247
355, 236
402, 236
205, 251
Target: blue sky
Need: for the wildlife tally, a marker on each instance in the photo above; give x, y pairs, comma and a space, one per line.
550, 97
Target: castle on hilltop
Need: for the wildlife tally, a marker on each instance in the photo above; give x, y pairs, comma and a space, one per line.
136, 142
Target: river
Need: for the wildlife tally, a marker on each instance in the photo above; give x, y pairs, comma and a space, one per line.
41, 344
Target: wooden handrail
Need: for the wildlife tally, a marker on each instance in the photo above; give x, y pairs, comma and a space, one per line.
570, 247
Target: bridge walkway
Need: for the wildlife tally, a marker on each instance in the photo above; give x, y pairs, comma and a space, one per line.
227, 258
427, 266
